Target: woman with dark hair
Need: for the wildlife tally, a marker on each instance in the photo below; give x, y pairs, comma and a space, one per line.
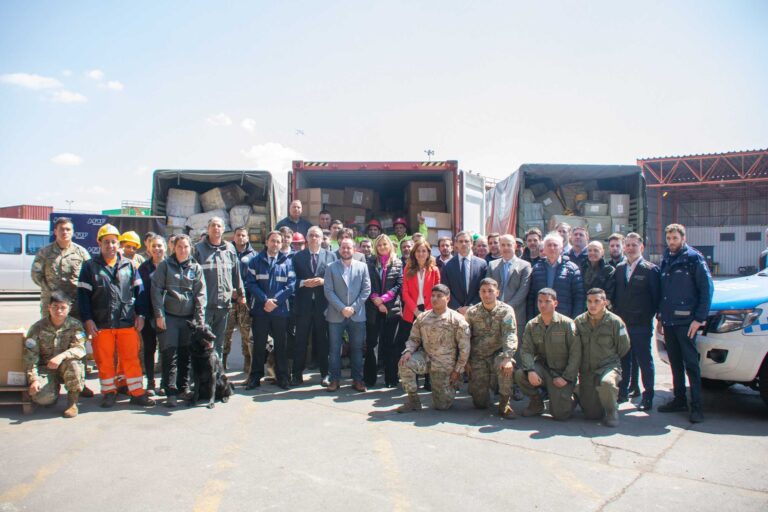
382, 310
156, 254
420, 276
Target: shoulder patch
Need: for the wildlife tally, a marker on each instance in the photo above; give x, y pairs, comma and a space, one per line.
622, 331
80, 335
30, 343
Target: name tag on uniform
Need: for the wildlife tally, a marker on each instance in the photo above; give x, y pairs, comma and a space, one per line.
639, 278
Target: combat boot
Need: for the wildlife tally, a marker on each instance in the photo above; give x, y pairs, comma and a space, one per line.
71, 410
505, 411
535, 406
412, 403
86, 392
611, 418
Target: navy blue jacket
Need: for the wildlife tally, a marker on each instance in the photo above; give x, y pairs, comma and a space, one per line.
111, 298
581, 260
264, 282
686, 287
569, 286
245, 257
450, 275
637, 301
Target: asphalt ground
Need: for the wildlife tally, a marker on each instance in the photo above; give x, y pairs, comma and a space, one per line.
306, 449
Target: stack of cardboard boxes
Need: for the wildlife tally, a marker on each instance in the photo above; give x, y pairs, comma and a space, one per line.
12, 372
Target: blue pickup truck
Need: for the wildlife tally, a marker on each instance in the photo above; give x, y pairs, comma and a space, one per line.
733, 345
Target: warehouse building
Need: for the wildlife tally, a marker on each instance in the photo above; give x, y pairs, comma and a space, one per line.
721, 198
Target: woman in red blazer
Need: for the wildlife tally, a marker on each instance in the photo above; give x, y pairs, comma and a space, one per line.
420, 272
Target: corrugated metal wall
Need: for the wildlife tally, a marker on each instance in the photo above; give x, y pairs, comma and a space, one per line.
729, 255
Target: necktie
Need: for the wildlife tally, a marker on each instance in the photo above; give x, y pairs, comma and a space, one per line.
504, 276
314, 263
465, 274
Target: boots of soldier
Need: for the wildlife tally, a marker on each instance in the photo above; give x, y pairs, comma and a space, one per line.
611, 418
225, 361
86, 392
535, 406
505, 411
412, 403
71, 410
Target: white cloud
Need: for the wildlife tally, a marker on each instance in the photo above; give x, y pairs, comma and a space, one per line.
29, 81
249, 124
272, 156
115, 85
95, 74
67, 159
142, 170
95, 189
64, 96
66, 72
220, 119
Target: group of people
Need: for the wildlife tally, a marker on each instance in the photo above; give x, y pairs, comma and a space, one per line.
546, 316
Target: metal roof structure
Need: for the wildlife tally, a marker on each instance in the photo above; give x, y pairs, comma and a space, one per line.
736, 167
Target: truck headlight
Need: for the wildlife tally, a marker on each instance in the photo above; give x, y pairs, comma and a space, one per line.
735, 319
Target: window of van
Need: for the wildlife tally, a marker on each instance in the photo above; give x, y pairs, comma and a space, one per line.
10, 243
35, 243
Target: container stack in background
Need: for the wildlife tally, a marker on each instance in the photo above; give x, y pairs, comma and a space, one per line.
189, 212
581, 203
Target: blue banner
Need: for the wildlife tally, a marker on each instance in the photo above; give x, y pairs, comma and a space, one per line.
86, 227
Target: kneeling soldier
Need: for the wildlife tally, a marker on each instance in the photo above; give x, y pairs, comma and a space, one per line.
550, 355
604, 342
53, 353
492, 346
443, 335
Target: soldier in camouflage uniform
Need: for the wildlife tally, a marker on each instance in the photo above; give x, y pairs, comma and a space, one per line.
240, 315
604, 341
57, 266
550, 355
443, 336
492, 348
53, 351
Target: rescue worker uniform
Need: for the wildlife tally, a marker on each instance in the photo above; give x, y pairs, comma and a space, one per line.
551, 351
109, 296
45, 341
493, 341
602, 347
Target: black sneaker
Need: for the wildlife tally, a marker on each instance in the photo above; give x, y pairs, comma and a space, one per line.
296, 380
674, 405
253, 383
186, 394
109, 400
283, 384
696, 415
171, 402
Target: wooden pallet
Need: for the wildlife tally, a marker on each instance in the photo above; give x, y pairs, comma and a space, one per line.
16, 395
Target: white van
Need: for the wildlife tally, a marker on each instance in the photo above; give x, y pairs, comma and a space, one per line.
20, 240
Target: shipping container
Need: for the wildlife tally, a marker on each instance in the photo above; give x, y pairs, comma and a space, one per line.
505, 202
26, 211
399, 189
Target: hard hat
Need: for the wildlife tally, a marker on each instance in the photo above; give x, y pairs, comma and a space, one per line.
373, 222
400, 220
107, 229
298, 238
130, 237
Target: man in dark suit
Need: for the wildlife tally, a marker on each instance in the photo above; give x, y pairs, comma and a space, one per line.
310, 305
463, 273
513, 276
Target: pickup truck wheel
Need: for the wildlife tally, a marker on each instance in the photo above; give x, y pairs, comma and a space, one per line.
715, 384
762, 381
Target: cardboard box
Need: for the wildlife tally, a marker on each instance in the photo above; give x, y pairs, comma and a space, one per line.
620, 225
437, 220
222, 198
433, 235
599, 227
311, 211
601, 196
349, 215
330, 196
176, 222
12, 371
551, 203
574, 194
525, 225
619, 205
357, 197
572, 221
593, 209
425, 192
182, 203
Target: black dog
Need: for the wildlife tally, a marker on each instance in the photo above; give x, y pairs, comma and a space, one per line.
211, 383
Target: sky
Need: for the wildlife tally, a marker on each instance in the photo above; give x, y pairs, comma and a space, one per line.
96, 95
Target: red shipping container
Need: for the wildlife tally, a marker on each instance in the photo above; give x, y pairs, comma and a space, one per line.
26, 211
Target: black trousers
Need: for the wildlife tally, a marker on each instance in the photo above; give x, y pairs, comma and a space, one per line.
380, 330
149, 340
176, 363
312, 321
262, 327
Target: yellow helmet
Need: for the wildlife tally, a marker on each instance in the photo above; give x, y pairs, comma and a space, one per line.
130, 237
107, 229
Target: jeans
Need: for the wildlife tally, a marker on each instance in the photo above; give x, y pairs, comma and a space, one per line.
683, 359
639, 355
356, 333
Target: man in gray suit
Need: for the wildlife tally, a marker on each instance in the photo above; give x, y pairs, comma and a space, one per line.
513, 275
347, 285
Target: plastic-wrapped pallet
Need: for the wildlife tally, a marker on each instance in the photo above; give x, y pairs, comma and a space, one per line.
528, 196
571, 220
599, 227
176, 222
222, 198
182, 203
533, 212
200, 220
552, 204
239, 215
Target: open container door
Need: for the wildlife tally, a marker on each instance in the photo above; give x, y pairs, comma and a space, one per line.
473, 202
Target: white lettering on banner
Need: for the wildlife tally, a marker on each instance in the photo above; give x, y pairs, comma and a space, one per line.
80, 235
94, 221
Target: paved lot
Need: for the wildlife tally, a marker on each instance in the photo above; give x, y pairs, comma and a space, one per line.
306, 449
